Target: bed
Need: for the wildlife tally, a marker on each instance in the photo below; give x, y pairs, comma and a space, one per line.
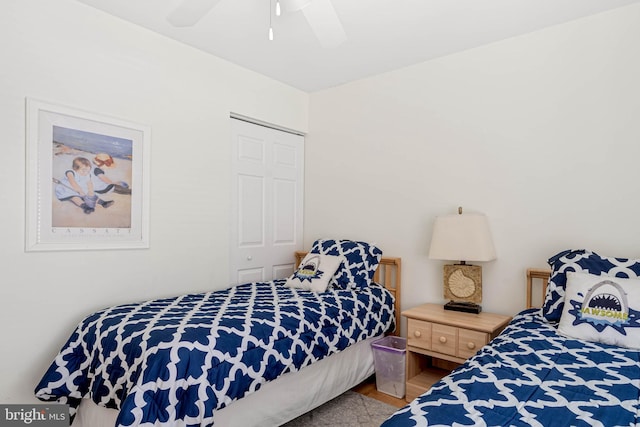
573, 362
253, 354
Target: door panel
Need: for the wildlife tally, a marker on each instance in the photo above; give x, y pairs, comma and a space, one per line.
250, 149
284, 219
250, 210
282, 271
250, 275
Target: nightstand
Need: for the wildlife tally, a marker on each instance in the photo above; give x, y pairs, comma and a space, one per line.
438, 340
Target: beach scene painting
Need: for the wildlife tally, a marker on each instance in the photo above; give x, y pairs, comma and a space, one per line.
87, 180
102, 197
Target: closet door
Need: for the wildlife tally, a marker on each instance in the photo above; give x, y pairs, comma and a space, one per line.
267, 201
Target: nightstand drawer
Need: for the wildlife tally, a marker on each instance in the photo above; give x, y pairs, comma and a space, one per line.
469, 342
419, 333
444, 339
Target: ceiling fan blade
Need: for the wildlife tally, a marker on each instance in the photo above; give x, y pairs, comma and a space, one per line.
189, 12
324, 22
294, 5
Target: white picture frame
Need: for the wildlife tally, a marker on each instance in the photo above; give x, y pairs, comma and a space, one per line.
75, 205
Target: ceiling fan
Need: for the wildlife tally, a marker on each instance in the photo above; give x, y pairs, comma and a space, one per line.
320, 15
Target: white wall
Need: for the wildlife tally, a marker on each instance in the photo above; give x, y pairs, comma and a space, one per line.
539, 132
70, 54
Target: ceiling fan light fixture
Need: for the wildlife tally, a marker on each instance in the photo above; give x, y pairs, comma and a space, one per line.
270, 14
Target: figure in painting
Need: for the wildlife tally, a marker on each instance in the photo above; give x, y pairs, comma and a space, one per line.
105, 184
78, 186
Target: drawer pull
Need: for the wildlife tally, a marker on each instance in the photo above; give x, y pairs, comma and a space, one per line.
471, 345
417, 334
443, 340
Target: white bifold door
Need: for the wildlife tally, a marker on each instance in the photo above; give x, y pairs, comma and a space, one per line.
267, 201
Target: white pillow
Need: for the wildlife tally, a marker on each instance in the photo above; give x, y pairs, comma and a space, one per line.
602, 309
314, 272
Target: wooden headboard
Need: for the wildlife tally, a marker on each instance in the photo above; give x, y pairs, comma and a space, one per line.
387, 274
533, 274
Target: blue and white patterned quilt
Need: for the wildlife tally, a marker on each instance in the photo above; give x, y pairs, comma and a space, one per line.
174, 361
531, 376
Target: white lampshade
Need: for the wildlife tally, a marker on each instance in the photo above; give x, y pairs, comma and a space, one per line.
462, 237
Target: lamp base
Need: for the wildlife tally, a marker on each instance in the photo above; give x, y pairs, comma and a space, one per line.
467, 307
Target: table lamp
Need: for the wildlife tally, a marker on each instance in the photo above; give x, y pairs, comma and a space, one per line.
462, 237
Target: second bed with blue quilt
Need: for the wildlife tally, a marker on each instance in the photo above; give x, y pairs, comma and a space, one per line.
574, 362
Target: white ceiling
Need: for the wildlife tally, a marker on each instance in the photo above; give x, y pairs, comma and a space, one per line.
382, 35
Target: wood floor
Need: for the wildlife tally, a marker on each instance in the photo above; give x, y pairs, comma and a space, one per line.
368, 388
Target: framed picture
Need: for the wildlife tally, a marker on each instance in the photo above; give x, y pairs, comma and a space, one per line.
87, 180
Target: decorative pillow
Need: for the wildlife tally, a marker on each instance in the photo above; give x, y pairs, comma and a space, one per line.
314, 272
602, 309
361, 261
586, 262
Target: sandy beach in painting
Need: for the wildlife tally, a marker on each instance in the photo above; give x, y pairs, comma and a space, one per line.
66, 214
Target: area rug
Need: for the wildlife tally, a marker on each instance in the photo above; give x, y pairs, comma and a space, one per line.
350, 409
